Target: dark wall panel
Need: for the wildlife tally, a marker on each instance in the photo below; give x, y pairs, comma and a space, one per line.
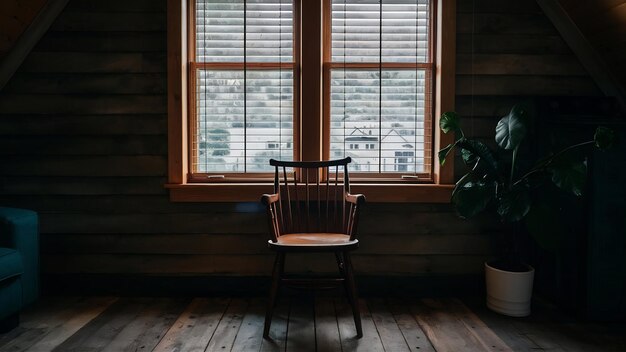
83, 140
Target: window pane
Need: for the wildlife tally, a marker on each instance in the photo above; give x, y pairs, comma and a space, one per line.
355, 31
357, 36
220, 27
379, 122
405, 31
240, 132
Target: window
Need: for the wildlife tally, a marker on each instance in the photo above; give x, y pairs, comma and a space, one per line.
242, 83
241, 90
379, 69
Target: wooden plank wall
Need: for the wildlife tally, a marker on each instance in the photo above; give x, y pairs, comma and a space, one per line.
15, 17
603, 22
83, 141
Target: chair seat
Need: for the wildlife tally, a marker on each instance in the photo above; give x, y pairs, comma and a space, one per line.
315, 240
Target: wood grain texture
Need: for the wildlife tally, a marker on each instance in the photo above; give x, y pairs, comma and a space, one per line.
301, 327
84, 127
31, 26
445, 63
228, 328
387, 327
574, 33
149, 326
36, 321
250, 334
370, 341
444, 331
177, 137
277, 340
194, 328
413, 334
302, 323
326, 325
15, 17
99, 332
71, 320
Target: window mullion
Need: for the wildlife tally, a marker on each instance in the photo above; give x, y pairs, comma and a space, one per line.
311, 77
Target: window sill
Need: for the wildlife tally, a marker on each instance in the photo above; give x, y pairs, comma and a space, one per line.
251, 192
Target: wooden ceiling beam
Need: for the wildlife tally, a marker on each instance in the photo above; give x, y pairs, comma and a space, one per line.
29, 38
582, 48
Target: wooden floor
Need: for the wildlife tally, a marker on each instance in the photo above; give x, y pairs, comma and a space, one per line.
300, 324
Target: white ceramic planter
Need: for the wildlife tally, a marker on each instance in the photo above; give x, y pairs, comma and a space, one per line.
509, 292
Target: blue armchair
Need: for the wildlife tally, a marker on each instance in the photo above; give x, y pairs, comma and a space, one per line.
19, 263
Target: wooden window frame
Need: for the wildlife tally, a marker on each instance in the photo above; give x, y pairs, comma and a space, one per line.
225, 177
328, 65
311, 112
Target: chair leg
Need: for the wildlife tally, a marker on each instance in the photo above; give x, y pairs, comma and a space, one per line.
340, 265
342, 270
277, 272
352, 293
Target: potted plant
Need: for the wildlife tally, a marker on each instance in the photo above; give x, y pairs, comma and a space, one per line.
495, 181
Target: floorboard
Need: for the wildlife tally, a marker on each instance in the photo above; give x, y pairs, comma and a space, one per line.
303, 322
53, 329
326, 326
228, 327
411, 331
34, 320
278, 329
95, 335
387, 327
193, 330
301, 326
250, 335
370, 341
444, 330
149, 327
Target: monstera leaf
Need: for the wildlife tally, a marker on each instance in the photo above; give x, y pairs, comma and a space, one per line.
450, 122
512, 128
443, 153
472, 194
513, 205
477, 155
604, 138
470, 159
569, 175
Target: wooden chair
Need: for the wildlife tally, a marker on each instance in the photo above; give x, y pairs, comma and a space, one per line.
312, 211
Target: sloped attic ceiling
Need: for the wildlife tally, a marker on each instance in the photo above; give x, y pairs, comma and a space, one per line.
603, 22
22, 24
596, 32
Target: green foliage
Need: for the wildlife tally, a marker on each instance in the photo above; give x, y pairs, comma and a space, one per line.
450, 122
478, 156
568, 174
471, 195
512, 128
604, 138
514, 204
487, 185
443, 153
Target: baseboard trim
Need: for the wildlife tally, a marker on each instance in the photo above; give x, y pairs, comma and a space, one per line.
247, 286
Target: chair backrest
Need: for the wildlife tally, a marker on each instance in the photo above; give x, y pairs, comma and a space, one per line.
312, 197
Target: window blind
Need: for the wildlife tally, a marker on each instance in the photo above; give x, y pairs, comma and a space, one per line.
380, 85
244, 81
